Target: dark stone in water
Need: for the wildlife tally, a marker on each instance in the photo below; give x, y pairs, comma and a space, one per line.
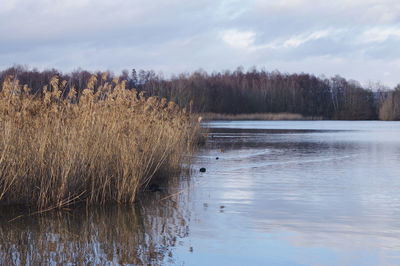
217, 158
202, 169
154, 188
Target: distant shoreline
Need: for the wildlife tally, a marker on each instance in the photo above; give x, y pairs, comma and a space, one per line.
259, 116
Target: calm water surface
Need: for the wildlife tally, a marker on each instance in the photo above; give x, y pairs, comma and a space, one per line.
280, 193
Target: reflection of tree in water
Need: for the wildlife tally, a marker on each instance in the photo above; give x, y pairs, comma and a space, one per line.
140, 234
288, 140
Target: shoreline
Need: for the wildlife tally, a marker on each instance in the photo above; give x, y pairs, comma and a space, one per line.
259, 116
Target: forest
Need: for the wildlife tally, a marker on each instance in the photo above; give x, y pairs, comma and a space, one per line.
241, 92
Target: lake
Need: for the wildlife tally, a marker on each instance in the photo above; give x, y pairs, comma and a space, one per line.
280, 193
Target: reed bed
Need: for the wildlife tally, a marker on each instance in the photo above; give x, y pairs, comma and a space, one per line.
259, 116
103, 145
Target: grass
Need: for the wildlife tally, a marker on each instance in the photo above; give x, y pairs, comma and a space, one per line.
104, 145
258, 116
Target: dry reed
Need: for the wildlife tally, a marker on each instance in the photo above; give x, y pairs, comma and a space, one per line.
103, 145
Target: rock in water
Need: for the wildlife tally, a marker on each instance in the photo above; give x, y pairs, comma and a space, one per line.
154, 188
202, 169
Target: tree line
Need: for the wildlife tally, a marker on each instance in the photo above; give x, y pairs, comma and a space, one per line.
239, 91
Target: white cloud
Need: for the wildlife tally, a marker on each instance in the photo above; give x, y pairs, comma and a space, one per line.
245, 40
239, 39
337, 12
280, 5
298, 40
379, 34
383, 13
7, 6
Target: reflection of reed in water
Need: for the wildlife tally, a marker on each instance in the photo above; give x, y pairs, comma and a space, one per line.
141, 234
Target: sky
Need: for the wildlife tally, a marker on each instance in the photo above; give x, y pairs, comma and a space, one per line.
357, 39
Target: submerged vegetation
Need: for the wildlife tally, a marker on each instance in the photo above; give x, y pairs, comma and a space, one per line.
245, 92
99, 144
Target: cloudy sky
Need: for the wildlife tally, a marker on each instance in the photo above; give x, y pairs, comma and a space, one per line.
358, 39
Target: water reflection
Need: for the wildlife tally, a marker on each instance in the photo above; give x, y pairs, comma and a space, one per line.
142, 234
323, 196
280, 193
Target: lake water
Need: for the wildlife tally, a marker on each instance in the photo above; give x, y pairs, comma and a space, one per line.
280, 193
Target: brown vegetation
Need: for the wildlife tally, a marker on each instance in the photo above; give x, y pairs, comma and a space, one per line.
241, 92
238, 92
390, 109
104, 144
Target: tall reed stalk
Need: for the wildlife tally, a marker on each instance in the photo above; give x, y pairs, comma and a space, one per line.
103, 145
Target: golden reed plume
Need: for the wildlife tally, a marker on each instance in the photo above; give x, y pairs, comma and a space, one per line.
58, 147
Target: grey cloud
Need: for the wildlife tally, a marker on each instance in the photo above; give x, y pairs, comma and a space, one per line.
351, 38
